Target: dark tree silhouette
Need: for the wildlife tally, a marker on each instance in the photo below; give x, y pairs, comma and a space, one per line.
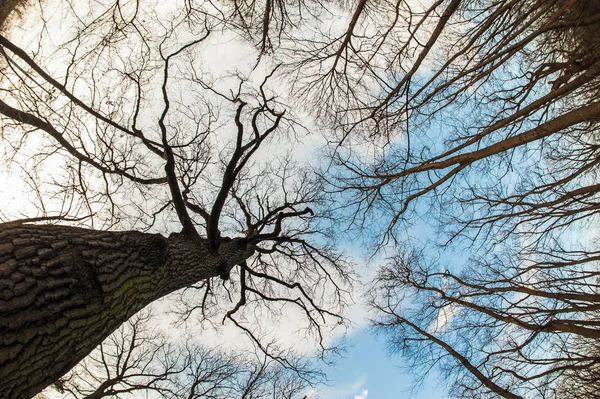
479, 117
141, 132
497, 105
140, 358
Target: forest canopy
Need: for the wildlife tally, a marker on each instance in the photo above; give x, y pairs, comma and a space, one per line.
227, 151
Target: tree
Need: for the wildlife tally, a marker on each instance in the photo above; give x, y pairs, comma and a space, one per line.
496, 103
6, 8
138, 357
477, 116
140, 131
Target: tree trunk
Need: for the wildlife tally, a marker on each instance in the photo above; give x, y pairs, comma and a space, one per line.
7, 7
64, 289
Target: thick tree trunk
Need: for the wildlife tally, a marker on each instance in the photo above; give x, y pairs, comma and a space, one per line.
64, 289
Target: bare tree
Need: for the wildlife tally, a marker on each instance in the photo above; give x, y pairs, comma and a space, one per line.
486, 113
139, 359
491, 329
582, 383
496, 107
140, 131
8, 7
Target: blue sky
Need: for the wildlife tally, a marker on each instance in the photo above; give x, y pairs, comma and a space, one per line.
366, 371
367, 367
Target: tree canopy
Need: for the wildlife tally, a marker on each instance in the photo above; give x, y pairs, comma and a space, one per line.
458, 140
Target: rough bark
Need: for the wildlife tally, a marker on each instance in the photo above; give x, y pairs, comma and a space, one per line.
64, 289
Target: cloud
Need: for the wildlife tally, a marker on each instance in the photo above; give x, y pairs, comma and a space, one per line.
345, 389
362, 395
444, 318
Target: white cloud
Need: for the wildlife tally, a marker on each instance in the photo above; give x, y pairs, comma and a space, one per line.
444, 318
353, 389
362, 395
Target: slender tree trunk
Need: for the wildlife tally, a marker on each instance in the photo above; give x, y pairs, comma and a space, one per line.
64, 289
7, 7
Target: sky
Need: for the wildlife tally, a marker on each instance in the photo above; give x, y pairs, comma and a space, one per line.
366, 370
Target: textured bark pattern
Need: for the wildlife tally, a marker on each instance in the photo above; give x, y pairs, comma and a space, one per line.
64, 289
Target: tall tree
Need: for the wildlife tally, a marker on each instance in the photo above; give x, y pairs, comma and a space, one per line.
482, 119
138, 359
117, 126
8, 7
488, 112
